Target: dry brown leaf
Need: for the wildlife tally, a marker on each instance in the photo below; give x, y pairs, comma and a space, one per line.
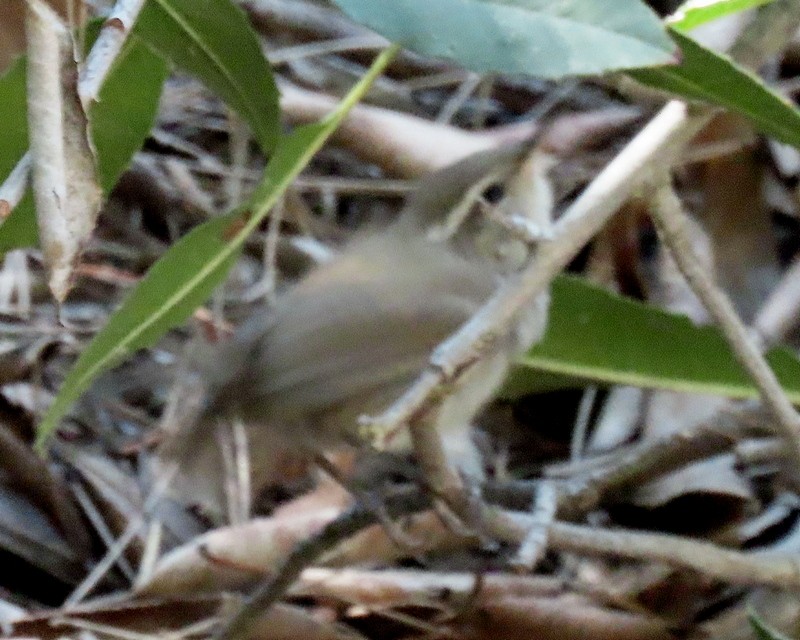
232, 557
566, 617
65, 184
28, 473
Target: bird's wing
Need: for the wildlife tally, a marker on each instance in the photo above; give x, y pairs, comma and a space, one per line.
357, 327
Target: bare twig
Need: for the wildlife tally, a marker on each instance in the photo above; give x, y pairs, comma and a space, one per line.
270, 277
672, 222
534, 545
307, 553
647, 461
459, 97
106, 48
656, 145
238, 144
736, 567
94, 516
387, 587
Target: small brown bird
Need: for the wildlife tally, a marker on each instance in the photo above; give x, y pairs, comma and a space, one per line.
352, 335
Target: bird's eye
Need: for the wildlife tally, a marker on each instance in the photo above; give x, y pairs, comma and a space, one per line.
494, 193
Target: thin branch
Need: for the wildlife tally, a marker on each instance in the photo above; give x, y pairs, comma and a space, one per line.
655, 146
106, 48
746, 568
736, 567
307, 552
534, 545
583, 486
673, 224
582, 420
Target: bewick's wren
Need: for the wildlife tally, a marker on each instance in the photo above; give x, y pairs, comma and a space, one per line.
355, 332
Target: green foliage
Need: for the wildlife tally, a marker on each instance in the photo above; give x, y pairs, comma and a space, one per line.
713, 77
13, 116
208, 38
533, 37
594, 335
19, 229
694, 13
120, 122
213, 41
126, 110
184, 277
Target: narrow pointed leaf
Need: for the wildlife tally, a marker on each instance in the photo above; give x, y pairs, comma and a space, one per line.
713, 77
694, 13
128, 103
213, 41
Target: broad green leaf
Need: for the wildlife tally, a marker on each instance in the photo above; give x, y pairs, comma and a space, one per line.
762, 631
706, 75
694, 13
533, 37
184, 277
213, 41
595, 335
120, 121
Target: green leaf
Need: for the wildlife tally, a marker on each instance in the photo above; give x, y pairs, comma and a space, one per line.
120, 121
694, 13
762, 631
184, 277
213, 40
595, 335
128, 102
19, 230
14, 141
706, 75
534, 37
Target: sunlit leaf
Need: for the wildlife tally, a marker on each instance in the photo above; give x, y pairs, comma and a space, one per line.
694, 13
